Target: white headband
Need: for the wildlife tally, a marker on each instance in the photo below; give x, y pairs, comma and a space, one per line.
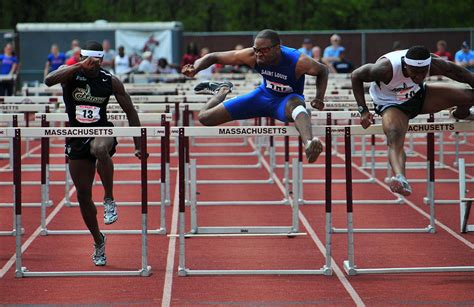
418, 63
92, 53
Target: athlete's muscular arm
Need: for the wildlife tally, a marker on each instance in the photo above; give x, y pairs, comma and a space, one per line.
126, 104
451, 70
307, 65
64, 73
61, 75
234, 57
381, 71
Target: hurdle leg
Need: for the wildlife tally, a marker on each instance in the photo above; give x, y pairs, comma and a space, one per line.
146, 269
296, 196
349, 265
327, 267
193, 188
182, 207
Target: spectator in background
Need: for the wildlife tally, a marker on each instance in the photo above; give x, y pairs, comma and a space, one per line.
8, 65
396, 46
164, 67
343, 66
150, 44
317, 54
109, 55
441, 51
306, 48
465, 57
122, 64
146, 65
74, 44
241, 68
331, 53
76, 57
191, 54
55, 59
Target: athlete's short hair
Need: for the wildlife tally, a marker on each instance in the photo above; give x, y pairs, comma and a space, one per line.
93, 45
269, 34
418, 53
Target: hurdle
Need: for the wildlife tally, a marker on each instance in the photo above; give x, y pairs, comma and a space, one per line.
349, 265
464, 202
17, 134
164, 183
182, 270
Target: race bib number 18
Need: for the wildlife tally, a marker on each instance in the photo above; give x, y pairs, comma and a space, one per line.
87, 114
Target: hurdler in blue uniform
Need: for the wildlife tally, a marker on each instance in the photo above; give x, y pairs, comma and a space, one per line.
280, 95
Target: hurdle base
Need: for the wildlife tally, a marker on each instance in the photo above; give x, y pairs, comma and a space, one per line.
469, 228
355, 271
12, 232
25, 273
243, 230
47, 232
124, 203
49, 203
189, 272
427, 229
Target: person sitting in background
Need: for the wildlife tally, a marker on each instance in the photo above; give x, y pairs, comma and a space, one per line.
465, 57
331, 53
343, 66
76, 57
306, 48
8, 66
207, 72
109, 55
145, 65
317, 54
164, 67
55, 60
441, 51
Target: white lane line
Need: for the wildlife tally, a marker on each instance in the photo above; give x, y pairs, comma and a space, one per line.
336, 269
166, 300
35, 234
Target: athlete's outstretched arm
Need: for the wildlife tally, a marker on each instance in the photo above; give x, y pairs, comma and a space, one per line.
451, 70
234, 57
307, 65
126, 104
64, 73
381, 72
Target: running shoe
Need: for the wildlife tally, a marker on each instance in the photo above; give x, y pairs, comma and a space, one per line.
110, 211
400, 185
313, 149
98, 257
212, 87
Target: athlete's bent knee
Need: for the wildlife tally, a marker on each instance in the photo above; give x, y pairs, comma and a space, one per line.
205, 119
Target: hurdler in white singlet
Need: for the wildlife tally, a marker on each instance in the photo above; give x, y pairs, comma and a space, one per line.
400, 88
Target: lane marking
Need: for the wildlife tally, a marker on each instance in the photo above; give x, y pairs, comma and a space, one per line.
167, 288
336, 269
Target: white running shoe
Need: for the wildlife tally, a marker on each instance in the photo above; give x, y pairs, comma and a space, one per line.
212, 87
110, 211
98, 257
400, 185
313, 149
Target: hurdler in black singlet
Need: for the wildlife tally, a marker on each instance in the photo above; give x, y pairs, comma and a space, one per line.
86, 102
86, 99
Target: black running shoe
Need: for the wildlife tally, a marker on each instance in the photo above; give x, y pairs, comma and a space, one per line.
212, 87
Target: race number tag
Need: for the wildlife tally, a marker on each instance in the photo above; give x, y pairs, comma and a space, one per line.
406, 93
87, 114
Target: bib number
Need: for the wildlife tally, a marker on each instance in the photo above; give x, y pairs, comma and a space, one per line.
87, 114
